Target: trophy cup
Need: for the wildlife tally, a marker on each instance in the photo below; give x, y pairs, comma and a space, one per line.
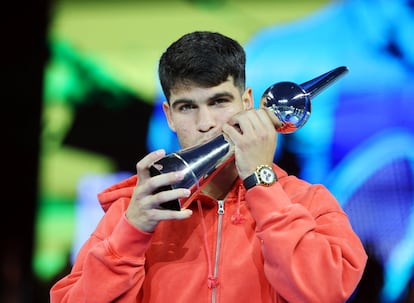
289, 101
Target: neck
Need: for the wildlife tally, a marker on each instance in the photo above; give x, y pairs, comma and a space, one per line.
220, 185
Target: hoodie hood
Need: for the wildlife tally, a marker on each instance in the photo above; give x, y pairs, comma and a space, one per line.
122, 189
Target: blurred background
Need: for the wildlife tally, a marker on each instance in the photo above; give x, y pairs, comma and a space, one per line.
82, 103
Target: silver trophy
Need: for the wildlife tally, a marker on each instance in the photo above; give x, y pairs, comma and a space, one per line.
290, 102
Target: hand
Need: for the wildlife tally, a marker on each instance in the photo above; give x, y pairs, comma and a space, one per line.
144, 209
254, 139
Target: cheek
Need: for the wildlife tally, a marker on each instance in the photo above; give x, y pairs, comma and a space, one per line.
182, 129
225, 115
185, 133
180, 123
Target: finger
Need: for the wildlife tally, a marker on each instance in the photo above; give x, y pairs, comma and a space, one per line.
275, 120
231, 134
166, 214
252, 121
153, 184
149, 159
261, 120
159, 189
143, 165
269, 120
168, 195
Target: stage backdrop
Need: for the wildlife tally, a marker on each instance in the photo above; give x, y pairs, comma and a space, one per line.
102, 112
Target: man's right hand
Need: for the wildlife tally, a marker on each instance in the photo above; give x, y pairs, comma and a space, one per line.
144, 210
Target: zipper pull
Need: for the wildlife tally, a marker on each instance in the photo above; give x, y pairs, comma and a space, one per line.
220, 210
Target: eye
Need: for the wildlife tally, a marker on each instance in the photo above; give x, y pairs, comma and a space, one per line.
186, 107
219, 101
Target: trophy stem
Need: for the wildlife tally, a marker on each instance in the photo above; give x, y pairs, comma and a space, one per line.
315, 86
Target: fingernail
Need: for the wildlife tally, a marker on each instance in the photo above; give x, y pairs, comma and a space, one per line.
179, 175
160, 152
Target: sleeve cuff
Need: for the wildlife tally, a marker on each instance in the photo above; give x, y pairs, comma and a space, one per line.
263, 200
127, 240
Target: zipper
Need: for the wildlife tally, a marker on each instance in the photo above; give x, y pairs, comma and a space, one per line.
220, 213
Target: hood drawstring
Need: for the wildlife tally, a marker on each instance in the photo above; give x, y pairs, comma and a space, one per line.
212, 281
238, 218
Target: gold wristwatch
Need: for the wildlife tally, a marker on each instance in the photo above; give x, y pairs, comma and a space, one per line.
264, 175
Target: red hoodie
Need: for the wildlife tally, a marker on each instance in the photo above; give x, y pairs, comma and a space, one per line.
290, 242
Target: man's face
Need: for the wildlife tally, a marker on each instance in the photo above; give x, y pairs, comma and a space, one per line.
197, 114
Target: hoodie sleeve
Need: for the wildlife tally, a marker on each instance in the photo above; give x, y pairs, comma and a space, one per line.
311, 253
109, 266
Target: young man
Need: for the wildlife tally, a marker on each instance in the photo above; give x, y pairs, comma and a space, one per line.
242, 239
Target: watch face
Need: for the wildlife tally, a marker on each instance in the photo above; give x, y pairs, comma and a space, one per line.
267, 175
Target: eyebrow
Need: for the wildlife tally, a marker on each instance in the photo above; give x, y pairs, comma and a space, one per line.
218, 95
181, 101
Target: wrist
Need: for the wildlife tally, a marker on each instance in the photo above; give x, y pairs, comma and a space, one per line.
264, 175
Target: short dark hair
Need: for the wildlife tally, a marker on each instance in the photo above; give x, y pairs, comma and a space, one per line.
204, 58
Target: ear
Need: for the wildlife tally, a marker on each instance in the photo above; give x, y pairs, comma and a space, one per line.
167, 113
247, 98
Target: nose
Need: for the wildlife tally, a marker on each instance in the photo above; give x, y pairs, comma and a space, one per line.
206, 119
